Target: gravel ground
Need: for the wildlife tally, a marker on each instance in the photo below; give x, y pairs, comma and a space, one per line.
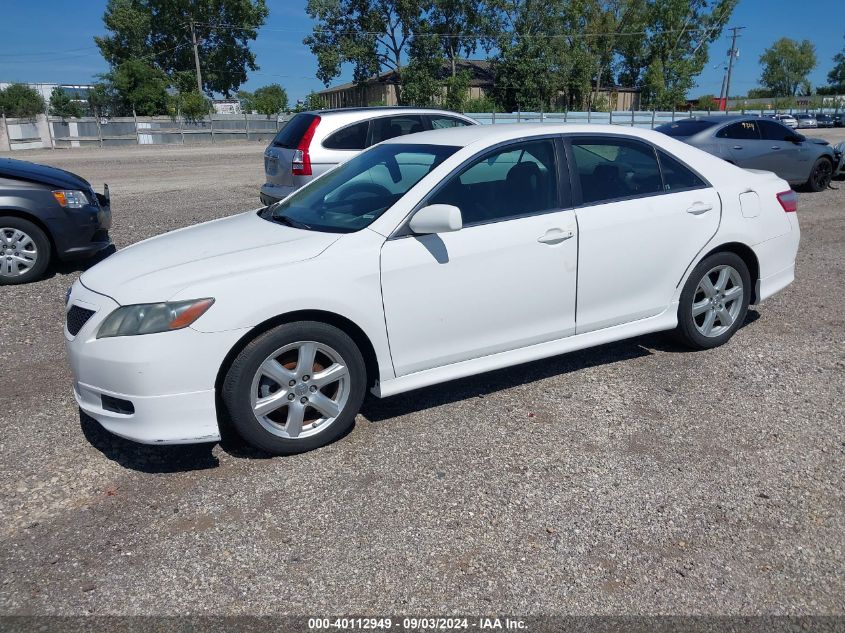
634, 478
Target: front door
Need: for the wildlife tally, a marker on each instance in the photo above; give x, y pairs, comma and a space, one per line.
504, 281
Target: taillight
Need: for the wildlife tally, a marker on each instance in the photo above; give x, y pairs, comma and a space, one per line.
788, 200
301, 164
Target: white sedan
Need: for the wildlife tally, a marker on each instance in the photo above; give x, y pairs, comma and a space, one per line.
424, 259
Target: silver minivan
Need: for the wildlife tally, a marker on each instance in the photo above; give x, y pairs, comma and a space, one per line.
313, 142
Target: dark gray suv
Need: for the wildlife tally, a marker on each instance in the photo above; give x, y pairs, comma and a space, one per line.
760, 143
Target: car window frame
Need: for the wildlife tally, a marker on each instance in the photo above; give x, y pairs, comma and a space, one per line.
371, 129
344, 127
575, 177
564, 191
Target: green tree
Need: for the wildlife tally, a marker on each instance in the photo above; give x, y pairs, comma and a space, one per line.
191, 105
459, 26
138, 86
786, 65
707, 102
679, 33
312, 101
19, 100
457, 89
268, 100
160, 32
759, 93
372, 35
62, 105
836, 76
421, 85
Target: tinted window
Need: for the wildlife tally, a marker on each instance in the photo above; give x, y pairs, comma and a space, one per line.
393, 126
676, 175
615, 168
438, 122
773, 131
353, 195
351, 137
290, 135
510, 182
687, 127
741, 130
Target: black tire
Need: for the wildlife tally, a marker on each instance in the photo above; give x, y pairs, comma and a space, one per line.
42, 244
238, 385
688, 331
820, 175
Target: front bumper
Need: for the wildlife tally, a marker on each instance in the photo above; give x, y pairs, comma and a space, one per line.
81, 232
169, 378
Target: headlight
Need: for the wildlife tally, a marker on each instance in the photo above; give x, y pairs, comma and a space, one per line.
71, 199
149, 318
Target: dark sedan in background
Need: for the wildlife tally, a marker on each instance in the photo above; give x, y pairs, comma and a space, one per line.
760, 143
47, 213
824, 120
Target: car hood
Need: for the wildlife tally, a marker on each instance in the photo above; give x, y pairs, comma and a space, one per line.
33, 172
158, 268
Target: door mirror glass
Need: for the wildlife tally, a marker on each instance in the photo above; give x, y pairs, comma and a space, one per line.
437, 218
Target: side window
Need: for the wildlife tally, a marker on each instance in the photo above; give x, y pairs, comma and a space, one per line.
517, 180
772, 131
676, 175
351, 137
611, 168
741, 130
393, 126
438, 122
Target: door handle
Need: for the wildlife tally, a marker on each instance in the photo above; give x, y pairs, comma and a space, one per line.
775, 146
737, 146
699, 207
555, 236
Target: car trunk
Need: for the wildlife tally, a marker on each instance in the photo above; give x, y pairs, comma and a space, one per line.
278, 157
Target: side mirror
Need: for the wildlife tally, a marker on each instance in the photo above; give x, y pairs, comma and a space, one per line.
437, 218
795, 138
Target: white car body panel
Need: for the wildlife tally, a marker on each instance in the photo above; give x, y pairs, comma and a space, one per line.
433, 308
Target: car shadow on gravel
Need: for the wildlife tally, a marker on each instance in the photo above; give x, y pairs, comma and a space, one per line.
147, 458
77, 265
377, 410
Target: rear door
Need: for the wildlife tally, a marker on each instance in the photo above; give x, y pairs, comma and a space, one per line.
278, 157
639, 227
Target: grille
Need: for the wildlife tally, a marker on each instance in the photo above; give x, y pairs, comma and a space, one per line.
76, 318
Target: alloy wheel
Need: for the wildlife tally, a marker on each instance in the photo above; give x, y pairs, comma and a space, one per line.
300, 389
822, 174
717, 301
18, 252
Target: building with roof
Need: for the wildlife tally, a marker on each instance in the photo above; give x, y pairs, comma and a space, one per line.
381, 90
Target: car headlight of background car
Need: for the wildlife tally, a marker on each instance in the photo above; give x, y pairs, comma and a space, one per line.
71, 199
149, 318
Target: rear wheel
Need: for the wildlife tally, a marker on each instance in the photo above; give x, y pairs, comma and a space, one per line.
714, 301
295, 388
820, 175
24, 251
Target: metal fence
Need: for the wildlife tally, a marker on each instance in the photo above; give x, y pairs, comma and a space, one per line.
43, 131
47, 132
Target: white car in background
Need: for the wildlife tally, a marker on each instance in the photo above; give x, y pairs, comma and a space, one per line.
311, 143
787, 119
420, 261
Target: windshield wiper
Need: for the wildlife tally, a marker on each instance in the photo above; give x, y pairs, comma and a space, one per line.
283, 219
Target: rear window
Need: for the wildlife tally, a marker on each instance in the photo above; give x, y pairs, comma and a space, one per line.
688, 127
290, 135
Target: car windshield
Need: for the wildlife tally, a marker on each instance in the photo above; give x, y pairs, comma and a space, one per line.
351, 196
688, 127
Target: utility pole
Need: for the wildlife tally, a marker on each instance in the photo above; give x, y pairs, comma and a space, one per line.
196, 57
733, 53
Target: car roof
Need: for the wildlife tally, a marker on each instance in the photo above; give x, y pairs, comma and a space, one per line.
503, 132
382, 111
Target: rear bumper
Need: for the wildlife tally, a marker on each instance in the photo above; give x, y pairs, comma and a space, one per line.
270, 193
777, 261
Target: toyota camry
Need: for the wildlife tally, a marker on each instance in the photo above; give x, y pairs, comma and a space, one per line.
422, 260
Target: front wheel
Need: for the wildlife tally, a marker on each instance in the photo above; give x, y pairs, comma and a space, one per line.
295, 388
714, 301
24, 251
820, 175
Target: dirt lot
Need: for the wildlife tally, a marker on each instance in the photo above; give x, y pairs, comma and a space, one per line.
632, 478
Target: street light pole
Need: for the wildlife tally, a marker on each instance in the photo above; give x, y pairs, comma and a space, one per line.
196, 57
